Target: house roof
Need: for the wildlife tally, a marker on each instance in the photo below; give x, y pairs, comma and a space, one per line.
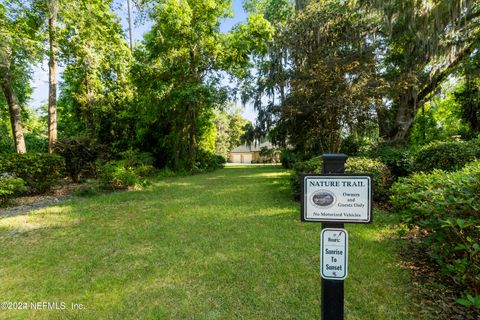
251, 148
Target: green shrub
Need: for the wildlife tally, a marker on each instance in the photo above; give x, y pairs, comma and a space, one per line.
208, 161
379, 171
116, 174
448, 156
446, 206
80, 156
166, 172
120, 174
382, 177
36, 143
10, 186
397, 159
135, 158
288, 158
40, 171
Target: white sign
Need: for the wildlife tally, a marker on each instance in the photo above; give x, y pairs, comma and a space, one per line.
329, 198
334, 254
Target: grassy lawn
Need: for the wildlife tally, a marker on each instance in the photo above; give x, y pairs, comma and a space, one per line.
224, 245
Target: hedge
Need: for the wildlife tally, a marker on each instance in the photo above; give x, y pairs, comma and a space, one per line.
446, 206
449, 156
9, 186
40, 171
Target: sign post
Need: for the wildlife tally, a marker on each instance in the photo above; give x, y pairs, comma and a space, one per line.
333, 199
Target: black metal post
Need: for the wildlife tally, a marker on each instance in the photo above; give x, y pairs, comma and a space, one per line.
333, 290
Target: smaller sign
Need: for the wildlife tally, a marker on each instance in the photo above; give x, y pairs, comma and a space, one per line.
334, 254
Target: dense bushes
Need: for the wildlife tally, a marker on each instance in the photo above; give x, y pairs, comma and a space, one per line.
449, 156
446, 206
80, 155
288, 158
382, 178
397, 159
130, 171
9, 185
208, 161
119, 174
40, 171
380, 172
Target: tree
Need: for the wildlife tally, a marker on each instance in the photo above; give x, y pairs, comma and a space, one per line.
468, 93
175, 72
52, 74
267, 83
96, 93
418, 44
178, 71
230, 129
425, 42
19, 46
333, 86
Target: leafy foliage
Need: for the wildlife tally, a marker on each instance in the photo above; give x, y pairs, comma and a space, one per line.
6, 142
80, 155
40, 171
382, 178
19, 49
446, 206
467, 94
397, 158
470, 301
439, 119
449, 155
332, 87
269, 155
208, 161
423, 43
130, 171
229, 130
96, 93
9, 186
175, 71
288, 158
122, 174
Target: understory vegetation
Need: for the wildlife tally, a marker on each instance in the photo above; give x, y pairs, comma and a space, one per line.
445, 206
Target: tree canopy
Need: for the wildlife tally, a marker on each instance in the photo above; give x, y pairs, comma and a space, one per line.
319, 73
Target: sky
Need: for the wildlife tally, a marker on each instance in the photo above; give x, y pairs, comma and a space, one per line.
40, 75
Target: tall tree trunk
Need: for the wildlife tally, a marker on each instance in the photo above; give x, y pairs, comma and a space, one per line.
406, 113
191, 112
384, 118
192, 145
52, 77
411, 99
15, 117
301, 4
179, 143
130, 24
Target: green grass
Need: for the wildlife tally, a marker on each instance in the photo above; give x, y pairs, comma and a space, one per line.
224, 245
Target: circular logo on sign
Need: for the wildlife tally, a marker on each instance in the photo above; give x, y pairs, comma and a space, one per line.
323, 199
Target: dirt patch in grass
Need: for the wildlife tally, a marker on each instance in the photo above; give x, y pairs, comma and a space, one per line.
25, 204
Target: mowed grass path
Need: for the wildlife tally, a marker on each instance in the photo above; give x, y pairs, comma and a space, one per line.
224, 245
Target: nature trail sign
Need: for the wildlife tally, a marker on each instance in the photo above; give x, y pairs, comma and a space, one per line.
334, 198
337, 198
